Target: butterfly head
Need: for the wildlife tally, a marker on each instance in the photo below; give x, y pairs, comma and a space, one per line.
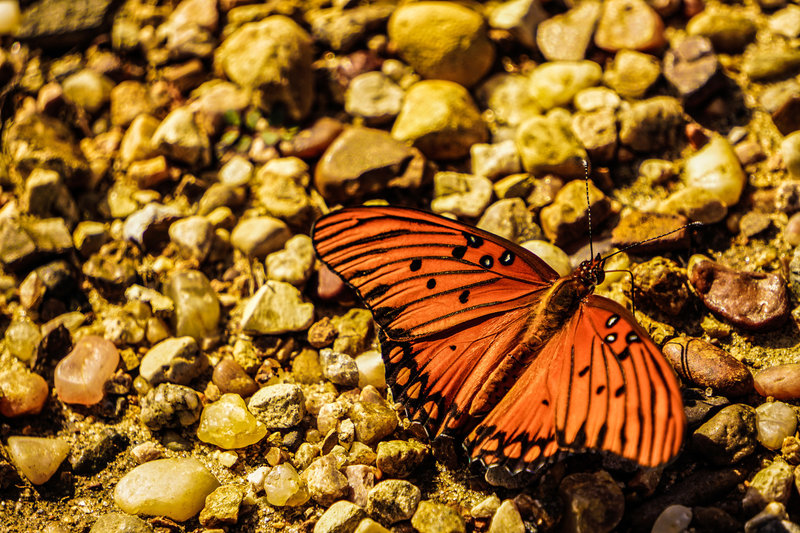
591, 273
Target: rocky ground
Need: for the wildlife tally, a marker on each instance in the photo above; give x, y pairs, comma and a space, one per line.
174, 358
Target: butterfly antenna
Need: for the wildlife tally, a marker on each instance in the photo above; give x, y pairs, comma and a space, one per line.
588, 205
655, 238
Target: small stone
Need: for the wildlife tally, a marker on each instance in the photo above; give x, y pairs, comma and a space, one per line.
373, 421
374, 97
440, 118
229, 376
281, 188
729, 436
750, 300
170, 405
174, 360
637, 227
259, 236
786, 22
460, 194
708, 366
371, 370
324, 481
442, 40
339, 368
692, 67
89, 237
782, 382
431, 517
790, 151
566, 36
227, 423
294, 264
399, 458
222, 506
632, 73
566, 218
594, 502
673, 519
551, 254
770, 484
775, 421
276, 308
306, 368
284, 487
494, 160
103, 449
120, 523
661, 284
716, 169
696, 204
221, 195
360, 477
340, 517
175, 488
508, 98
597, 132
88, 89
511, 220
729, 31
514, 186
22, 339
38, 458
555, 84
192, 236
81, 376
507, 519
651, 125
21, 392
137, 142
369, 525
196, 303
393, 500
629, 24
763, 63
548, 145
280, 406
487, 507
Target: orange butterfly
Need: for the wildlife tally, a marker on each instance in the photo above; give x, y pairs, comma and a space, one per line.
481, 337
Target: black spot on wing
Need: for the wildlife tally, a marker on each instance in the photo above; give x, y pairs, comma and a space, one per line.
463, 297
507, 257
600, 389
632, 337
416, 264
377, 292
624, 354
473, 240
610, 338
431, 283
459, 252
620, 391
583, 371
487, 261
612, 320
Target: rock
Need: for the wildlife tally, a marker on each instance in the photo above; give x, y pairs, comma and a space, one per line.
565, 37
259, 236
661, 284
284, 487
175, 488
353, 331
555, 84
652, 124
716, 169
629, 24
339, 368
222, 506
597, 132
460, 194
751, 300
21, 392
46, 195
88, 89
196, 304
22, 339
365, 161
782, 382
727, 30
775, 421
294, 264
116, 522
371, 370
692, 67
507, 519
342, 29
791, 233
37, 457
514, 186
495, 160
770, 484
554, 256
729, 436
511, 220
129, 99
790, 150
632, 73
431, 517
279, 406
281, 189
696, 204
179, 138
103, 449
399, 459
174, 360
137, 143
361, 478
227, 423
193, 236
548, 145
443, 41
708, 366
520, 18
170, 406
89, 237
229, 376
276, 308
566, 218
509, 98
773, 517
594, 502
81, 376
148, 226
597, 98
272, 58
393, 500
440, 118
340, 517
673, 519
324, 481
763, 63
638, 227
374, 97
373, 421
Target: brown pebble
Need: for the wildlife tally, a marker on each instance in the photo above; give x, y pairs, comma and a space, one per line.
791, 233
782, 382
229, 376
322, 333
691, 66
313, 141
706, 365
636, 228
661, 284
752, 300
329, 285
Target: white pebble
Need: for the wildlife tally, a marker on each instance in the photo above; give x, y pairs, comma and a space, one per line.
673, 519
371, 370
283, 486
774, 422
716, 168
550, 254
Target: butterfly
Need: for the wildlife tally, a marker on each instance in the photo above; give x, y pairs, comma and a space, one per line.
482, 339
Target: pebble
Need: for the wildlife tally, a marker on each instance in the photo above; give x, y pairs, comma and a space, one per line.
696, 204
773, 518
87, 89
782, 382
229, 376
360, 477
513, 186
294, 264
692, 67
651, 125
373, 421
507, 519
440, 118
116, 522
786, 22
38, 458
399, 458
222, 506
632, 73
555, 84
673, 519
281, 190
280, 406
393, 500
629, 24
729, 436
728, 30
432, 517
364, 161
341, 516
790, 151
170, 405
775, 421
101, 450
148, 226
770, 484
551, 254
547, 144
716, 169
706, 365
81, 376
276, 308
594, 502
175, 488
284, 487
460, 194
228, 423
566, 219
192, 236
371, 370
339, 368
751, 300
259, 236
326, 484
494, 160
197, 308
442, 41
174, 360
22, 339
374, 97
23, 392
637, 227
312, 141
369, 525
764, 63
511, 220
566, 36
597, 132
508, 98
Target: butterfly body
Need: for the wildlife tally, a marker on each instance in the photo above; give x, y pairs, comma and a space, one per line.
483, 340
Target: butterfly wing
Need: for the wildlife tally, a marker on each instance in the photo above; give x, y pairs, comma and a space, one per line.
451, 300
599, 383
